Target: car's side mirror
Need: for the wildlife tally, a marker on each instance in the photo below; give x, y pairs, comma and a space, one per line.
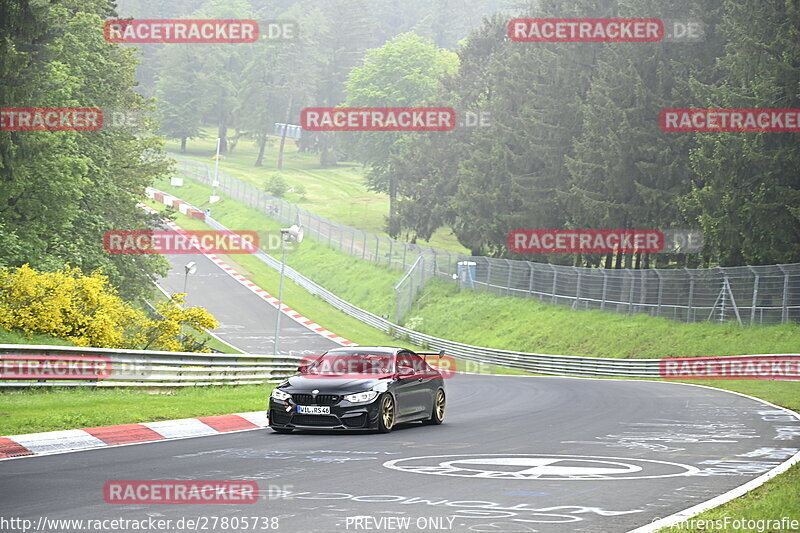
405, 371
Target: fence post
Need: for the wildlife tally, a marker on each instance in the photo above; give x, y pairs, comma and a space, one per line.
353, 243
577, 289
508, 282
755, 296
391, 250
785, 310
397, 306
405, 251
489, 274
364, 247
530, 280
691, 295
377, 249
630, 292
660, 291
555, 277
605, 283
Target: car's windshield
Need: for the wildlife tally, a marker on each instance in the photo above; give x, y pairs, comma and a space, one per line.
342, 363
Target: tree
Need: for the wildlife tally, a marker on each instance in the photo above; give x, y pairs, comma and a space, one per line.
427, 166
277, 186
624, 171
278, 74
220, 79
746, 190
405, 72
61, 191
515, 173
180, 96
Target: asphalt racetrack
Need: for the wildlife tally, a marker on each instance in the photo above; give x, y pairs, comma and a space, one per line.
246, 321
514, 454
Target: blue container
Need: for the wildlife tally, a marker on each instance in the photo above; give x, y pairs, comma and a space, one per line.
467, 271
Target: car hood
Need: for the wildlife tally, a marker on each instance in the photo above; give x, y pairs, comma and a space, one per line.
332, 384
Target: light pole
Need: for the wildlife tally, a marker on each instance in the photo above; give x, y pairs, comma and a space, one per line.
293, 233
216, 175
190, 268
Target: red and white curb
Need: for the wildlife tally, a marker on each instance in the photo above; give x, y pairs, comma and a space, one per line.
70, 440
258, 291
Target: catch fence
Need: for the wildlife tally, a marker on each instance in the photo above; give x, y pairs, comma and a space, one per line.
746, 294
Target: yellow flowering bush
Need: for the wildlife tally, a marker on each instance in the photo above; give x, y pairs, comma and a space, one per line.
86, 310
169, 330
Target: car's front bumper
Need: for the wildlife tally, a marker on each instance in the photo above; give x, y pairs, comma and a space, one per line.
343, 416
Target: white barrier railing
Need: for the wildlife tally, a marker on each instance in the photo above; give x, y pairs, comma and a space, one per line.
28, 365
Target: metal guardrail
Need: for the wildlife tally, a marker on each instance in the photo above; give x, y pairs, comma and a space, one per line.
45, 366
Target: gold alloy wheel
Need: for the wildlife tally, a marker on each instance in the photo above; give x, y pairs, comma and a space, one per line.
440, 405
387, 412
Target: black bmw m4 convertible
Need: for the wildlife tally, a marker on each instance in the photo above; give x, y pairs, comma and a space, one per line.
360, 388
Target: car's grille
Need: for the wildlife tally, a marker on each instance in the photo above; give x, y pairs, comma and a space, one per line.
315, 420
320, 399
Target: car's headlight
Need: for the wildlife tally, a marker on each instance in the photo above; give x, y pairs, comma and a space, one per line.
278, 394
361, 397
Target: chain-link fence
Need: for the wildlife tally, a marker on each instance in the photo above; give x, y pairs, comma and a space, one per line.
409, 286
749, 295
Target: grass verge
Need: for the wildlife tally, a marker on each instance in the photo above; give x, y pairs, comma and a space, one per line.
17, 337
34, 410
339, 193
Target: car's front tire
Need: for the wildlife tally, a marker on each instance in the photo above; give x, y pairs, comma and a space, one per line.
386, 414
437, 413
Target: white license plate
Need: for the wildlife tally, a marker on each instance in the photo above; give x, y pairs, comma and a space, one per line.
314, 409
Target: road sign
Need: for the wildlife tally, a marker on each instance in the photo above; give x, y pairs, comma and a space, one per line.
293, 132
